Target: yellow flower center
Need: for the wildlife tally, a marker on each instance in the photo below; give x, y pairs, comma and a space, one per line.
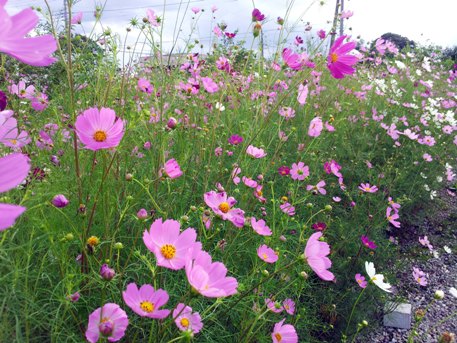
259, 193
333, 57
278, 337
224, 207
13, 141
168, 251
93, 241
264, 256
185, 322
104, 320
367, 189
389, 218
147, 306
100, 136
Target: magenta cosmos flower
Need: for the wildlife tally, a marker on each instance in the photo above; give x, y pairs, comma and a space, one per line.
146, 301
185, 320
35, 51
267, 254
339, 61
13, 169
299, 171
172, 169
316, 255
366, 241
235, 140
109, 321
209, 278
255, 152
171, 248
99, 129
284, 333
223, 207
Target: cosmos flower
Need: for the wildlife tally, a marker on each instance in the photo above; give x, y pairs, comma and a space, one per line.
255, 152
108, 321
367, 188
223, 207
14, 168
392, 217
35, 51
366, 242
171, 247
315, 127
299, 171
318, 188
260, 227
289, 306
267, 254
209, 278
274, 306
172, 169
284, 333
339, 61
377, 279
419, 276
316, 253
185, 320
361, 280
146, 301
99, 129
60, 201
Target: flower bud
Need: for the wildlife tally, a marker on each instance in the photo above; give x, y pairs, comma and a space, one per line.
118, 246
172, 123
69, 237
328, 208
439, 295
128, 177
60, 201
106, 272
142, 214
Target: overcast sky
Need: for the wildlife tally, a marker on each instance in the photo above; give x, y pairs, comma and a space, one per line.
423, 21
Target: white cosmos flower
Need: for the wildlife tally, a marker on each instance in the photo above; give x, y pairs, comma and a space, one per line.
447, 249
453, 292
378, 279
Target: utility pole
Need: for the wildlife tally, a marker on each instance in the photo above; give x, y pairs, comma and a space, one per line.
335, 21
65, 14
342, 20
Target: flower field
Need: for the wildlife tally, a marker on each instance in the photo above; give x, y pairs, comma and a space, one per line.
224, 197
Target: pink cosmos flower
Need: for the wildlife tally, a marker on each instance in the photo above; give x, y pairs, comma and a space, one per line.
302, 94
339, 61
333, 167
34, 51
287, 112
425, 242
419, 276
289, 306
39, 102
393, 204
361, 280
249, 182
291, 59
77, 18
235, 172
260, 227
185, 320
321, 34
267, 254
222, 206
284, 333
152, 18
367, 188
257, 15
196, 10
170, 247
274, 306
255, 152
366, 242
99, 129
9, 134
22, 91
284, 170
209, 278
316, 255
145, 86
146, 301
172, 169
299, 171
108, 321
13, 169
209, 85
259, 194
317, 188
315, 127
288, 209
392, 217
346, 14
427, 157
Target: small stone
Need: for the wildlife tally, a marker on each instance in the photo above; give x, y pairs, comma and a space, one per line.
397, 315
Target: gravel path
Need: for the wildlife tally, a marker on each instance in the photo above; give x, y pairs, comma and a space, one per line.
439, 223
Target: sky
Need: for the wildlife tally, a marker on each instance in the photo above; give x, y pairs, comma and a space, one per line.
423, 21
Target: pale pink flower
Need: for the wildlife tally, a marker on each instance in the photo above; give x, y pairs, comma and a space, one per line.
77, 18
299, 171
317, 188
109, 322
392, 217
172, 169
249, 182
316, 255
419, 276
146, 301
361, 280
223, 207
260, 227
267, 254
288, 209
274, 306
302, 94
185, 320
152, 18
315, 127
255, 152
209, 85
289, 306
284, 333
367, 188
